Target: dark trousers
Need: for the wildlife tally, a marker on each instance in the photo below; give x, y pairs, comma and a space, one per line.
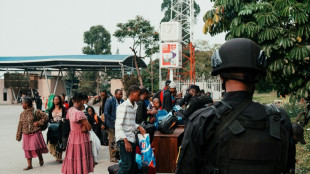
128, 159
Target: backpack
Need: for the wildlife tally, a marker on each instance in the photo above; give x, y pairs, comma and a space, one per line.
54, 132
247, 146
168, 124
45, 124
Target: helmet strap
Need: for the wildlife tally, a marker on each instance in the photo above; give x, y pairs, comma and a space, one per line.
224, 85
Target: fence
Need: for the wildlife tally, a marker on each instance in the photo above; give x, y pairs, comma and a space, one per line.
213, 85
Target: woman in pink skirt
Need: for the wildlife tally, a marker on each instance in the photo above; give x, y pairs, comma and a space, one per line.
29, 128
79, 159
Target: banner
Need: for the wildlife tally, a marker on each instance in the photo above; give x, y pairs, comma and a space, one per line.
171, 55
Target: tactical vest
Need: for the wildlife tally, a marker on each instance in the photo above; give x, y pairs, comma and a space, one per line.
244, 146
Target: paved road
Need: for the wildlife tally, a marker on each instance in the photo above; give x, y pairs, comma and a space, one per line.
12, 155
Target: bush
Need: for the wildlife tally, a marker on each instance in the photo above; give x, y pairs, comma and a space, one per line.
293, 109
302, 151
303, 154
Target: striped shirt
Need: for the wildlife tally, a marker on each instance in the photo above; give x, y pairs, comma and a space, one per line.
125, 124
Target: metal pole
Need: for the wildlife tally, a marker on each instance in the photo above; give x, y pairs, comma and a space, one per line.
159, 84
171, 74
48, 86
57, 82
123, 71
63, 80
171, 8
191, 30
14, 95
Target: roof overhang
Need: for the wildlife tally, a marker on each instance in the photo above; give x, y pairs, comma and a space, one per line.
85, 62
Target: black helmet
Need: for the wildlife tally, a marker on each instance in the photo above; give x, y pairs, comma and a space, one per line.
195, 87
238, 56
168, 82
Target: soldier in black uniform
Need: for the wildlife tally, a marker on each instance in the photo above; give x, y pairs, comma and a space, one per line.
237, 135
194, 102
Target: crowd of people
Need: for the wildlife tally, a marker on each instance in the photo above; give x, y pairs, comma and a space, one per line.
235, 135
70, 121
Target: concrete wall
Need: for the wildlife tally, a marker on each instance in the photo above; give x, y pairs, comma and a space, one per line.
117, 84
60, 86
10, 97
42, 89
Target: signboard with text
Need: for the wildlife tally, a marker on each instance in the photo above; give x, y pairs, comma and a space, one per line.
171, 55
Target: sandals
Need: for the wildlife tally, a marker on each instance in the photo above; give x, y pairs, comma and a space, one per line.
28, 168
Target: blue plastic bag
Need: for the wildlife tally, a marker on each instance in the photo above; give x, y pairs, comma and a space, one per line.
139, 161
148, 158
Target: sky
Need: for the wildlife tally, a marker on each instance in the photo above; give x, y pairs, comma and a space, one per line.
56, 27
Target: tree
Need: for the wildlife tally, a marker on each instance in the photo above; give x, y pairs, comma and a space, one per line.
129, 80
98, 41
88, 82
148, 74
142, 33
203, 54
152, 47
280, 27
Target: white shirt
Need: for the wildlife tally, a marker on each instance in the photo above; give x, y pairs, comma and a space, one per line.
125, 124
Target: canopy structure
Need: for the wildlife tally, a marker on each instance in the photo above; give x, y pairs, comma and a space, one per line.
85, 62
69, 62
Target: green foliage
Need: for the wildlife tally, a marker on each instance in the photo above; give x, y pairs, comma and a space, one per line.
303, 154
88, 82
280, 27
302, 151
293, 109
203, 54
262, 86
265, 98
147, 76
128, 80
72, 79
141, 31
142, 34
98, 41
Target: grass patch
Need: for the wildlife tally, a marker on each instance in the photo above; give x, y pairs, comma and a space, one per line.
303, 154
302, 151
266, 98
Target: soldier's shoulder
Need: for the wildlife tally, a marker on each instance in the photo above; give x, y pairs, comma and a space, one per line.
205, 111
211, 109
